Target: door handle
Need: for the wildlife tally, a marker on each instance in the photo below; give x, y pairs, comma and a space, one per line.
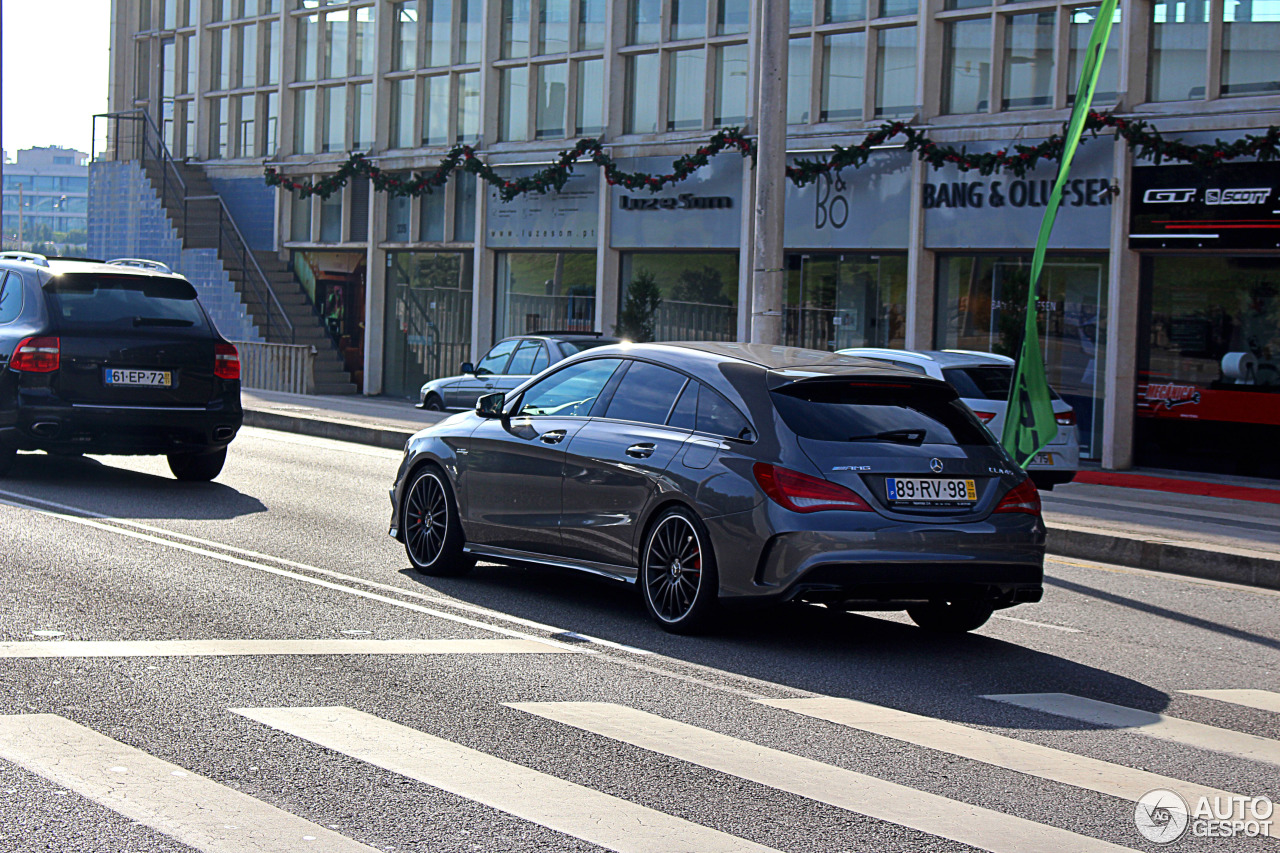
555, 436
640, 451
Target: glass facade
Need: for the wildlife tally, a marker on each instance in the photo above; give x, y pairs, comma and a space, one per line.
544, 291
835, 300
981, 305
428, 318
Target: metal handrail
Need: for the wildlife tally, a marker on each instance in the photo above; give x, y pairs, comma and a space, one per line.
247, 257
169, 167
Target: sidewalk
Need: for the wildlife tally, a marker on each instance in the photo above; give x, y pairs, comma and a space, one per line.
1219, 528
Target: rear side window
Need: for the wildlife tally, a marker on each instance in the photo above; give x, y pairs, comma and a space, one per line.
718, 416
522, 362
982, 383
10, 297
120, 303
646, 394
847, 411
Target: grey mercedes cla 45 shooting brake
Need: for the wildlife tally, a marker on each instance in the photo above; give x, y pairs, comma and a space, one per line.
718, 474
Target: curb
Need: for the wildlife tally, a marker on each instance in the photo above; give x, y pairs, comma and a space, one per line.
1231, 566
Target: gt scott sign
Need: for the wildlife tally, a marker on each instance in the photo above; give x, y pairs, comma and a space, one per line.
1184, 207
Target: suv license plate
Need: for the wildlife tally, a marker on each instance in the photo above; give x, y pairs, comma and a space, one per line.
917, 491
1043, 459
138, 378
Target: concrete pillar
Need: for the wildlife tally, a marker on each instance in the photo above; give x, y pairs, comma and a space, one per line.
1122, 326
921, 269
375, 297
768, 276
608, 279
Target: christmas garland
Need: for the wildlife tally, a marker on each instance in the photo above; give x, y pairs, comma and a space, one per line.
1146, 142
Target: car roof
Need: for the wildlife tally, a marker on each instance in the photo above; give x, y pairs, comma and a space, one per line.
941, 358
778, 358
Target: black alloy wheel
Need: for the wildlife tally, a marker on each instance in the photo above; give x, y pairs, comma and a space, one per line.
197, 467
432, 532
433, 403
678, 573
950, 617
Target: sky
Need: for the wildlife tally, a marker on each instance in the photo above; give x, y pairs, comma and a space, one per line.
55, 71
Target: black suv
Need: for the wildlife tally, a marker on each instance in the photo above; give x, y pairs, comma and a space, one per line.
116, 358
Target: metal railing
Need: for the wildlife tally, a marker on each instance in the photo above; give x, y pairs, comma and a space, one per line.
133, 135
277, 367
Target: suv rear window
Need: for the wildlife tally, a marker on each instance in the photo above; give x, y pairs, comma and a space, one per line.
983, 383
851, 411
121, 302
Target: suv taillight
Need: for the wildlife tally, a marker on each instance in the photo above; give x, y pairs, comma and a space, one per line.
37, 355
1067, 418
1021, 498
802, 493
226, 361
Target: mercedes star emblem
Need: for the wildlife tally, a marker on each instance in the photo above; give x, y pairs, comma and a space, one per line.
935, 465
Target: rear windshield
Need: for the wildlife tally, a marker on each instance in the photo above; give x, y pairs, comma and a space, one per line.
982, 383
845, 411
573, 347
120, 302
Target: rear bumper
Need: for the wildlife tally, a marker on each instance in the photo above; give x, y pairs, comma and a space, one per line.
124, 430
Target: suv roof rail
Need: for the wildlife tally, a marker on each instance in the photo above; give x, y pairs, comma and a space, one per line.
141, 263
29, 257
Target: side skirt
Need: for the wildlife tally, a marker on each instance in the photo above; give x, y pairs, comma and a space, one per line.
620, 573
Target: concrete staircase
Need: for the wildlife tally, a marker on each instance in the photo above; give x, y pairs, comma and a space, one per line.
203, 227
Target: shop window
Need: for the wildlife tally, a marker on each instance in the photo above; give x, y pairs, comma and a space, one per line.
679, 296
981, 306
1208, 385
835, 301
300, 219
539, 291
428, 318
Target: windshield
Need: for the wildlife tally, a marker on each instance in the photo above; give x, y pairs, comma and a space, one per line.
893, 413
120, 302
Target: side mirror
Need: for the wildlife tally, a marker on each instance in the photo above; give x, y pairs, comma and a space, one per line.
490, 405
467, 367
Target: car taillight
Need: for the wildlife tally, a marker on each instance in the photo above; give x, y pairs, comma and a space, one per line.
1067, 418
226, 361
37, 355
802, 493
1021, 498
986, 417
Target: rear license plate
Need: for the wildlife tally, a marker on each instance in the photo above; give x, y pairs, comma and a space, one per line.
1043, 459
138, 378
918, 491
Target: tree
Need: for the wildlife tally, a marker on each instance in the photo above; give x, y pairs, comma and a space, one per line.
635, 320
705, 285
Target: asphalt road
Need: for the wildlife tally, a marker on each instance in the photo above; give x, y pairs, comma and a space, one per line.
530, 709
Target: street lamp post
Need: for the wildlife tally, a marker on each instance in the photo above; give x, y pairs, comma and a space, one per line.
771, 161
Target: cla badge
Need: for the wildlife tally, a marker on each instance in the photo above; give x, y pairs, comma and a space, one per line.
935, 465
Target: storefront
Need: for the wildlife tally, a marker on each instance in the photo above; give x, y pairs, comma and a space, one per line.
1208, 389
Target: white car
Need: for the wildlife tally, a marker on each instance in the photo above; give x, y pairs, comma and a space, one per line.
982, 380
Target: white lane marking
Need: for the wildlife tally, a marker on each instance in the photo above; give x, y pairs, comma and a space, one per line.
256, 555
1263, 700
1038, 624
222, 648
182, 805
835, 786
204, 552
1010, 753
1185, 732
574, 810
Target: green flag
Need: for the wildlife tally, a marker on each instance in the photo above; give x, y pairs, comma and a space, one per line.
1029, 423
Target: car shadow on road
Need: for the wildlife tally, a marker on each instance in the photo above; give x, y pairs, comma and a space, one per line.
85, 483
870, 657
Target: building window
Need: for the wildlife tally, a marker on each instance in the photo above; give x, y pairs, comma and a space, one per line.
1249, 37
1028, 61
513, 104
896, 72
1082, 22
686, 88
642, 95
699, 292
834, 301
843, 76
732, 68
469, 106
545, 290
966, 52
799, 73
590, 107
1179, 44
552, 85
402, 113
981, 305
435, 110
404, 36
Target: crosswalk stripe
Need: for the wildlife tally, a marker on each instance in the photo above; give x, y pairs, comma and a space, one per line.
218, 648
583, 813
1263, 700
1033, 759
846, 789
185, 806
1186, 732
